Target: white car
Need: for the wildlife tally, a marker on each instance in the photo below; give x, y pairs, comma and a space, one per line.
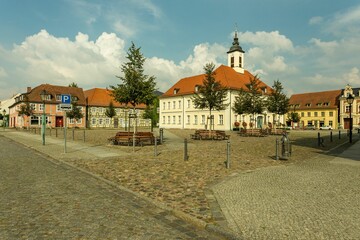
325, 128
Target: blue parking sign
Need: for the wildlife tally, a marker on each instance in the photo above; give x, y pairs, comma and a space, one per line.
66, 98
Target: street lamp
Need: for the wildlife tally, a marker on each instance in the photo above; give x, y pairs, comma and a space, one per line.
350, 100
43, 95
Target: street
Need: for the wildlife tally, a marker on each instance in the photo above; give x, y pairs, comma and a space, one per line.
44, 199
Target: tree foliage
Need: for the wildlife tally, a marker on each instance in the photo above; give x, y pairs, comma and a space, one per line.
25, 108
151, 112
250, 100
75, 113
110, 111
278, 102
211, 94
136, 87
73, 84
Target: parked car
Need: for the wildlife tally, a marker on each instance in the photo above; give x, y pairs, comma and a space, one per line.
309, 127
325, 127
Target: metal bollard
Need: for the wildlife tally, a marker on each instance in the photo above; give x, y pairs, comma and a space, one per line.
228, 155
84, 136
56, 135
277, 150
331, 139
73, 134
161, 135
186, 156
339, 134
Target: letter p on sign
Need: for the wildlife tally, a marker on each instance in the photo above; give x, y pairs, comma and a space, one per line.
66, 98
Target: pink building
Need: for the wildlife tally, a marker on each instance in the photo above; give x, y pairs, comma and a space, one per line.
55, 117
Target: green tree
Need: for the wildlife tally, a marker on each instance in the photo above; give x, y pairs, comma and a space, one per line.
211, 94
136, 87
75, 113
151, 112
250, 100
110, 111
25, 109
73, 84
278, 102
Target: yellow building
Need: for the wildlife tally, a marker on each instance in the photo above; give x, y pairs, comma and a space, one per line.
316, 108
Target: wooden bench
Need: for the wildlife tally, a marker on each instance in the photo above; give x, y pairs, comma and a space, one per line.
127, 138
253, 132
209, 135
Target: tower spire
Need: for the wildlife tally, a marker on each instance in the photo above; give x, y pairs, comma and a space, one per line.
236, 54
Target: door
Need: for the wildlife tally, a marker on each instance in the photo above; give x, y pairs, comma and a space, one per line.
59, 122
346, 123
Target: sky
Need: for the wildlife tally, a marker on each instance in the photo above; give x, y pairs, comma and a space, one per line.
307, 45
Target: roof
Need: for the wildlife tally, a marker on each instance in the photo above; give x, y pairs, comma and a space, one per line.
227, 76
317, 100
101, 97
34, 94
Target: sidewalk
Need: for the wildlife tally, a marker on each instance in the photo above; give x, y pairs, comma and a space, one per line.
317, 199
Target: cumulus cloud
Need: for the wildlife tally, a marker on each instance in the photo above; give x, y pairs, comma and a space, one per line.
352, 77
316, 20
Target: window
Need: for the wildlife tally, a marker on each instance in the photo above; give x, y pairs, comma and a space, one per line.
58, 108
93, 121
203, 119
330, 123
174, 119
232, 61
221, 119
71, 120
179, 119
309, 114
318, 104
179, 104
163, 119
195, 120
41, 107
174, 104
307, 104
188, 119
33, 106
168, 119
107, 121
168, 105
347, 109
240, 62
302, 114
34, 120
58, 97
79, 121
176, 90
323, 114
326, 104
164, 106
93, 109
331, 114
315, 114
188, 103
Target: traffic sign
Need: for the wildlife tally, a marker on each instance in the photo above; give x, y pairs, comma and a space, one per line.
65, 107
66, 98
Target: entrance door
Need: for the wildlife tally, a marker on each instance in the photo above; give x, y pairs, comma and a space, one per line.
259, 121
59, 122
346, 123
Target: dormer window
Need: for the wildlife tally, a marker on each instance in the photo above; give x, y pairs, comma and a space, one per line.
196, 88
58, 97
307, 104
326, 103
319, 104
264, 89
176, 90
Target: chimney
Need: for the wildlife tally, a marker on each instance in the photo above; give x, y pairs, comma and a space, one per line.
28, 89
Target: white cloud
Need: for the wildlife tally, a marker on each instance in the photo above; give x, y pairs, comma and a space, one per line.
316, 20
352, 77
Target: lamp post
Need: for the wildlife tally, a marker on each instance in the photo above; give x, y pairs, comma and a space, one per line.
350, 100
4, 119
43, 95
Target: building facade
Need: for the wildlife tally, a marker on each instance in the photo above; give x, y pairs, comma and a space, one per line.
316, 108
344, 109
98, 101
55, 117
177, 109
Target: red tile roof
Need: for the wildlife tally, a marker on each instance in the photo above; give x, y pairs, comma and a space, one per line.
34, 94
316, 100
227, 76
101, 97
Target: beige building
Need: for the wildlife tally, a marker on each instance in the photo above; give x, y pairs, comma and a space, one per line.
344, 110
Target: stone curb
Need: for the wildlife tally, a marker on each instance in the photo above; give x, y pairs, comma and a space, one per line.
211, 228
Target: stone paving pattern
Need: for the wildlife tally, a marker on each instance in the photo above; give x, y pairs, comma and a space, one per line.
316, 199
41, 199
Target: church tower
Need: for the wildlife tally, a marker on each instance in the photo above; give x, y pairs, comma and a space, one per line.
236, 56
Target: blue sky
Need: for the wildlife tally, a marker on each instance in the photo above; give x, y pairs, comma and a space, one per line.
307, 45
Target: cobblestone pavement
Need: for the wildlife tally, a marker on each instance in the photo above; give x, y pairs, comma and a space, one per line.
315, 199
42, 199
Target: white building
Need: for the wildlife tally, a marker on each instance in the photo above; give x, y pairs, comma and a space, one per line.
177, 108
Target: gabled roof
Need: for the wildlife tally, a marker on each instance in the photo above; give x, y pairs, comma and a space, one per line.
101, 97
227, 76
53, 90
317, 100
